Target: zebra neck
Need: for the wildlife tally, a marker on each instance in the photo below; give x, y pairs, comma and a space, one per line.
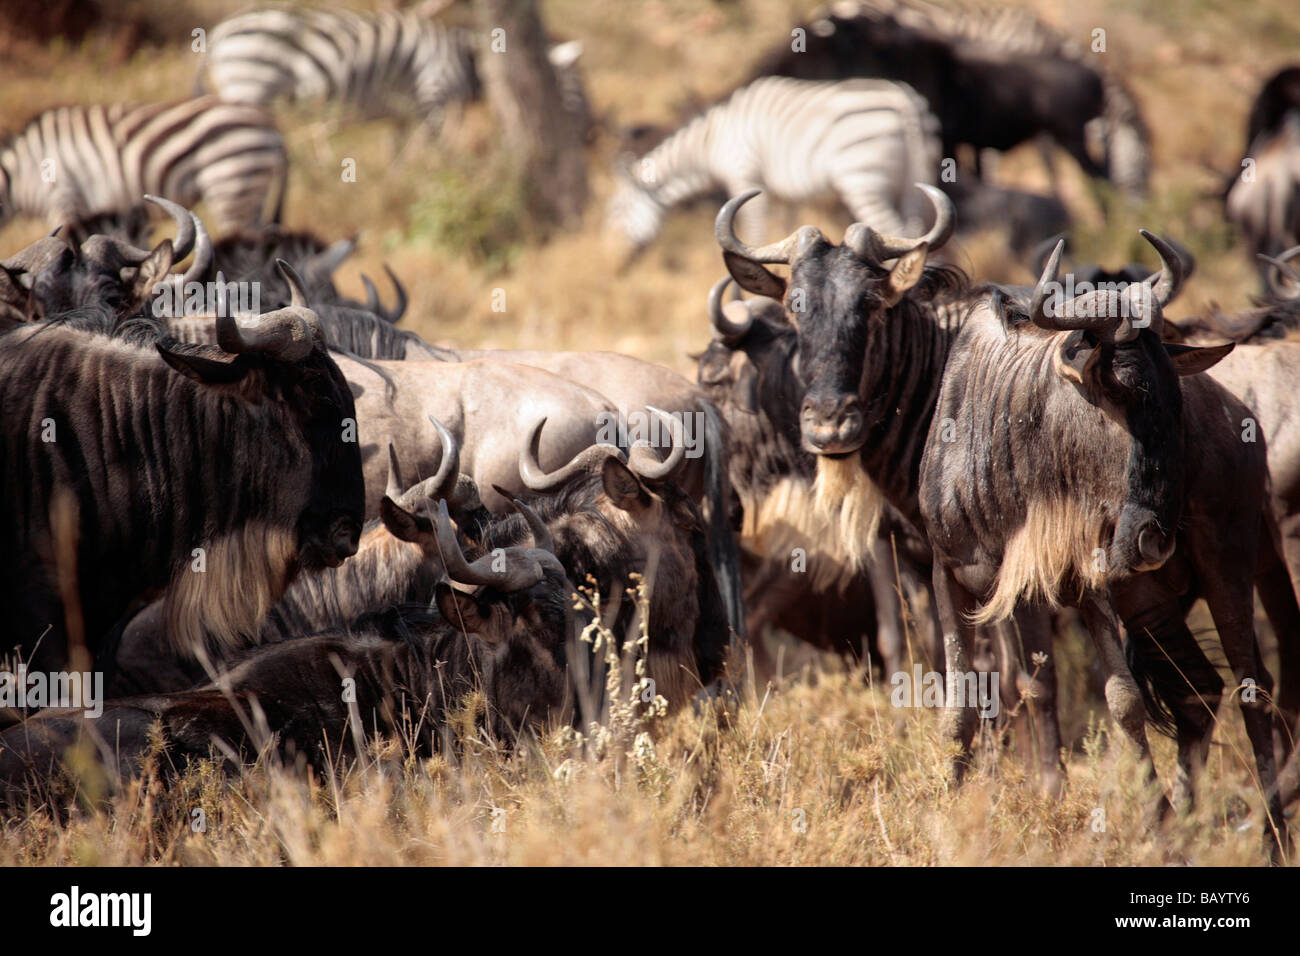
906, 355
678, 169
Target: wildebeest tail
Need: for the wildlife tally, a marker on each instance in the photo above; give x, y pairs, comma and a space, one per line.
724, 555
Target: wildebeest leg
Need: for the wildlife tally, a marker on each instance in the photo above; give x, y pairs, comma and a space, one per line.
1122, 696
889, 609
1231, 603
1284, 615
1035, 683
1180, 685
955, 605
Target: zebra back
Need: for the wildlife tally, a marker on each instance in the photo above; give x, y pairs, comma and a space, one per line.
83, 160
305, 54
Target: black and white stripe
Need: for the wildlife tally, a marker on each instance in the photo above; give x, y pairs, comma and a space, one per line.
306, 54
863, 141
82, 160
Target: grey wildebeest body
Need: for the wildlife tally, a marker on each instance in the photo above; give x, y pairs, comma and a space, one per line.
636, 388
601, 519
410, 667
159, 449
889, 392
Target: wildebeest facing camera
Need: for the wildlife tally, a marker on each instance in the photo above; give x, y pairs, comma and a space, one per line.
517, 433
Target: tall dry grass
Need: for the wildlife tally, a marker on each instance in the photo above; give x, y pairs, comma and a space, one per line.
817, 768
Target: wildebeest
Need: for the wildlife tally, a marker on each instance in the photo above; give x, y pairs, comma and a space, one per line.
397, 563
1263, 195
990, 88
216, 472
502, 630
1052, 456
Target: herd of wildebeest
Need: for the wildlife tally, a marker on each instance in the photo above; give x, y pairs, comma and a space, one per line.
281, 517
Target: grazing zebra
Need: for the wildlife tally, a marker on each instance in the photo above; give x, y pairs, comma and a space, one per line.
372, 60
864, 141
83, 160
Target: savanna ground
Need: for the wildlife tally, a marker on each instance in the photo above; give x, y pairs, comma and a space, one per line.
817, 768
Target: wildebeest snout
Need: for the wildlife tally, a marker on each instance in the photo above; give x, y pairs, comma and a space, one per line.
832, 424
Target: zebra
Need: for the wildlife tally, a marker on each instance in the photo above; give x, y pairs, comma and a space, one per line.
83, 160
864, 141
303, 54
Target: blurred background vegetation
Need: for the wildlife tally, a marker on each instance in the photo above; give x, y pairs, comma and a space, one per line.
449, 214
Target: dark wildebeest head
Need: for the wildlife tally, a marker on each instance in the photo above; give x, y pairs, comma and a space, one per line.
836, 297
322, 405
106, 271
846, 301
1115, 357
611, 519
281, 358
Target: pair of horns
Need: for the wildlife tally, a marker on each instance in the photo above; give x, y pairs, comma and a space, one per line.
1099, 311
639, 460
190, 235
373, 303
441, 485
866, 242
523, 567
286, 334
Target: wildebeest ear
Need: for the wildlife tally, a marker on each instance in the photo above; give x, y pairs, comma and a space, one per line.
752, 277
1188, 359
906, 273
402, 524
206, 364
1076, 359
461, 611
622, 486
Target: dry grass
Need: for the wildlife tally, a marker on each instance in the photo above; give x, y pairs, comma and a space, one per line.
820, 746
816, 773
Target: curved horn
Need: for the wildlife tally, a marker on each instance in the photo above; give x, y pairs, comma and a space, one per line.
585, 462
1110, 327
185, 230
725, 327
453, 559
868, 244
286, 334
298, 300
1038, 255
1282, 268
645, 465
36, 257
399, 307
541, 534
372, 296
724, 230
297, 295
202, 260
524, 566
395, 484
1169, 282
443, 482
